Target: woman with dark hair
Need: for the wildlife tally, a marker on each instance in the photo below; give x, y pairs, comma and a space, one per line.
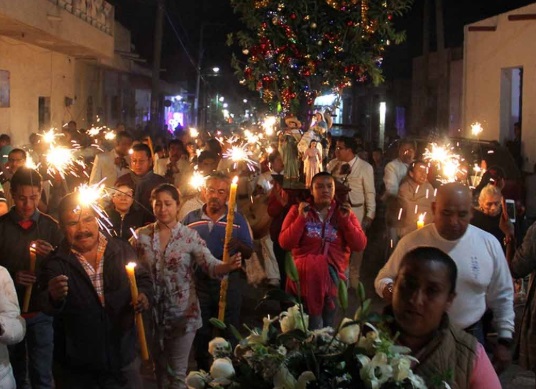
171, 250
424, 290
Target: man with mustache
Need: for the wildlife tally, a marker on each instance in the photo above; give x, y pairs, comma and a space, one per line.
210, 222
483, 276
86, 288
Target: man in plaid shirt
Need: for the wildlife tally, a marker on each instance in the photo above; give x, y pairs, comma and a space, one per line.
87, 291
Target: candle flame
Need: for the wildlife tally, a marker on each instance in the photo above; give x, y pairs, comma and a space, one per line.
421, 218
130, 265
235, 180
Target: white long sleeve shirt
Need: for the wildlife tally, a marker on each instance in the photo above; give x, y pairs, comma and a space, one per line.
13, 325
393, 174
483, 276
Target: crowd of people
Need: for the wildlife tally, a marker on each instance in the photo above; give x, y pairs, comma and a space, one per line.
447, 281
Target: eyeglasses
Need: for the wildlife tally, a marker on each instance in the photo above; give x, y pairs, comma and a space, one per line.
123, 195
220, 192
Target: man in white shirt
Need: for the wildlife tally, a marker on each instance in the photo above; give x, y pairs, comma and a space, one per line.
112, 164
358, 176
483, 276
397, 169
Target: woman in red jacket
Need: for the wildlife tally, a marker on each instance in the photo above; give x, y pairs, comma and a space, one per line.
321, 234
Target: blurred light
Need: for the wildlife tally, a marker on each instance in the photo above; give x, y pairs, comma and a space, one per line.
221, 99
245, 101
225, 105
215, 69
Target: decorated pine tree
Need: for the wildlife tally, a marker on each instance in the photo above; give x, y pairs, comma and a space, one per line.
293, 50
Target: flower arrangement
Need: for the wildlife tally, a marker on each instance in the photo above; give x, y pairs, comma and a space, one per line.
356, 354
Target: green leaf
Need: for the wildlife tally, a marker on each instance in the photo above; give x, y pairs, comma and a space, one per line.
343, 295
290, 268
366, 306
217, 323
358, 313
235, 332
361, 291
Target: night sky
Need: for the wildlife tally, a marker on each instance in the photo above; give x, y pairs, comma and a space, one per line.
184, 19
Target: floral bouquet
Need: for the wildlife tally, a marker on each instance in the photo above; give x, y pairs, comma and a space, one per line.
356, 354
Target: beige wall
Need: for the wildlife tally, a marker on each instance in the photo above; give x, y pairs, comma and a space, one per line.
34, 72
486, 53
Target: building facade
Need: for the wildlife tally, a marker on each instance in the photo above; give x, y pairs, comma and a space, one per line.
499, 87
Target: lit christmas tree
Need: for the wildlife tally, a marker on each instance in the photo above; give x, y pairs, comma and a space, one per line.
296, 49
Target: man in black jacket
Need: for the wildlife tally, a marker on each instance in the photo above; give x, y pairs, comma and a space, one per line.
87, 291
24, 226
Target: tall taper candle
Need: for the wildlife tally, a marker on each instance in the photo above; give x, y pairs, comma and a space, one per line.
139, 319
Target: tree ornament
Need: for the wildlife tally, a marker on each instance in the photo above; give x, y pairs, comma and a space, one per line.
261, 3
245, 51
313, 25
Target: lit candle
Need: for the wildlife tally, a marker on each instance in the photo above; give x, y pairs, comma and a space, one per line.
228, 235
139, 320
420, 222
28, 292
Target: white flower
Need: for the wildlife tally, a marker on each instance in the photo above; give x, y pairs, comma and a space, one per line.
196, 380
283, 379
369, 342
304, 379
401, 368
376, 372
416, 381
292, 319
219, 347
350, 333
222, 368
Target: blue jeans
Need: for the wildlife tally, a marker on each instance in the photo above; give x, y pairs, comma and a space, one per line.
31, 359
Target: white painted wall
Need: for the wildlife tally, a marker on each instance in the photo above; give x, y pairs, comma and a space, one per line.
486, 54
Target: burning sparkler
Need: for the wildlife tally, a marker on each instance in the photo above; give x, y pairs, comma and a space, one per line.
61, 160
50, 136
197, 181
447, 161
476, 129
194, 133
239, 154
268, 124
89, 196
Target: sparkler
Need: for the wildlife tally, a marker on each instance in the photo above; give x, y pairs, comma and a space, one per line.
476, 129
89, 196
50, 136
447, 161
268, 124
197, 181
239, 154
30, 164
194, 133
61, 160
110, 135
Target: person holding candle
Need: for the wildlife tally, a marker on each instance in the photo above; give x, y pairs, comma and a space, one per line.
210, 222
173, 251
86, 289
415, 196
22, 227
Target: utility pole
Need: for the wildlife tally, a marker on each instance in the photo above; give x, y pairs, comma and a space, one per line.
198, 81
157, 54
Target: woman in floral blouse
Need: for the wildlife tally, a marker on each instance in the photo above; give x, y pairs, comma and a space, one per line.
172, 251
